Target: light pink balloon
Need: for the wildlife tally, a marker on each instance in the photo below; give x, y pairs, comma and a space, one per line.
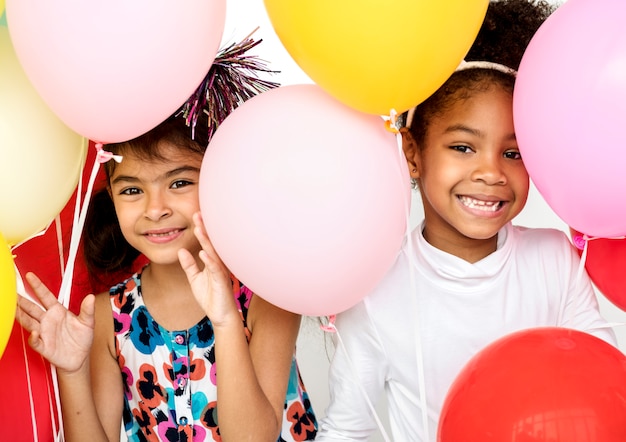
570, 112
112, 70
305, 199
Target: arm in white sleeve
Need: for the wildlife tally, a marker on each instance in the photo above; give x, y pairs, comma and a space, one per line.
358, 367
581, 310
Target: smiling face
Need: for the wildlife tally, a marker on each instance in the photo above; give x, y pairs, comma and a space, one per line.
155, 199
470, 173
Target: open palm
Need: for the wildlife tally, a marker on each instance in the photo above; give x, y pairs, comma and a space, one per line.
57, 334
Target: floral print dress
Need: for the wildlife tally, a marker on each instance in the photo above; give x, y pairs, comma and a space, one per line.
169, 376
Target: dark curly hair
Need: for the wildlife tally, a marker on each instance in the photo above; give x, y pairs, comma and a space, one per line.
508, 27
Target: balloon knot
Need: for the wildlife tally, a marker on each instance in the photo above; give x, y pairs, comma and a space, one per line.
579, 241
102, 156
391, 121
330, 327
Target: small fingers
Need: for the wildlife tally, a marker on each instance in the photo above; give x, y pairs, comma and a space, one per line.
201, 234
34, 341
46, 297
87, 311
27, 322
188, 263
29, 308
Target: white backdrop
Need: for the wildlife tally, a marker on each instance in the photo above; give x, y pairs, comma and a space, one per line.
314, 348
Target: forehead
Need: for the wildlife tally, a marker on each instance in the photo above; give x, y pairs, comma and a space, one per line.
168, 157
492, 107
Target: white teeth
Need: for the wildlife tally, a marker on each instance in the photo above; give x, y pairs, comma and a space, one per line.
163, 234
487, 206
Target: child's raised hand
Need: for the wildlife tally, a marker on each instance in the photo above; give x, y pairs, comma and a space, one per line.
211, 286
60, 336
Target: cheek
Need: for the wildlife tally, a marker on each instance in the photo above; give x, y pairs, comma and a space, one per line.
443, 171
191, 202
126, 215
520, 182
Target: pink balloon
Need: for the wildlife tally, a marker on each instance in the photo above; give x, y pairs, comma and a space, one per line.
305, 199
569, 111
112, 70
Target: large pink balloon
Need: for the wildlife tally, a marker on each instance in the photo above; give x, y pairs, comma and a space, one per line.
569, 111
114, 69
305, 199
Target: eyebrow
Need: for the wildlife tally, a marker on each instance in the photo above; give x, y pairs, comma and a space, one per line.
463, 128
168, 174
472, 131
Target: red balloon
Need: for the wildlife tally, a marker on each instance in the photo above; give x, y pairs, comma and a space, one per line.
546, 384
19, 367
605, 263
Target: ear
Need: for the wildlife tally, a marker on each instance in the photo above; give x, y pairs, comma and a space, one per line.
411, 152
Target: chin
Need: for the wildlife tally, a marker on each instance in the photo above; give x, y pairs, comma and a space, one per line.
481, 234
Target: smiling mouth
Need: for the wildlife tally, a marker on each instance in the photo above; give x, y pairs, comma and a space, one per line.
486, 206
163, 234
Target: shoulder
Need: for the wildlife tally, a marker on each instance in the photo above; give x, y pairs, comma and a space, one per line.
264, 315
540, 233
104, 329
543, 239
544, 248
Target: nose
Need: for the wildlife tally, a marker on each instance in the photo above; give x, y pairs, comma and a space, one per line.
489, 170
157, 206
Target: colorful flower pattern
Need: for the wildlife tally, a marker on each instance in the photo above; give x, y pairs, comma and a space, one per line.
170, 391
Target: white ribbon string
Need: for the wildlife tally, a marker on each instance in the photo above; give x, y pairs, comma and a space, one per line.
59, 227
52, 398
419, 351
330, 327
77, 228
33, 420
390, 125
581, 242
80, 214
67, 273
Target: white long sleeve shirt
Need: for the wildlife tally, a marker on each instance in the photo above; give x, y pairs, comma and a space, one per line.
455, 308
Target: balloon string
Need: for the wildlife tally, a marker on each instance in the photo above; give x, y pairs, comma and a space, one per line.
51, 397
80, 214
57, 397
581, 241
21, 290
331, 328
57, 224
419, 351
33, 420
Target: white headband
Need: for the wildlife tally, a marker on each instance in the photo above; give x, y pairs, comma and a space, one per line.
463, 66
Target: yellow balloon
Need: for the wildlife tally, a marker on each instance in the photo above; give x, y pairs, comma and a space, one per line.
40, 157
8, 293
1, 6
377, 55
